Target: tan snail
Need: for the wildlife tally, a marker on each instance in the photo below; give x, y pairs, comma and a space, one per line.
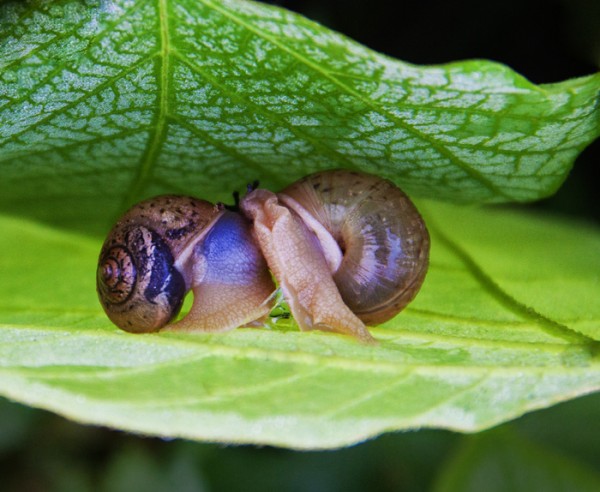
348, 249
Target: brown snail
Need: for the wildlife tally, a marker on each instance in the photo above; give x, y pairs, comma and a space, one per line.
166, 246
348, 249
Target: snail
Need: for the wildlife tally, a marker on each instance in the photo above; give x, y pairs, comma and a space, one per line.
168, 245
347, 249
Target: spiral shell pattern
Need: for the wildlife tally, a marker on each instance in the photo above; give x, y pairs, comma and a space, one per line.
138, 283
117, 275
380, 234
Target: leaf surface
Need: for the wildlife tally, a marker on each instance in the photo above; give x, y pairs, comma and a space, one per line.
104, 103
476, 347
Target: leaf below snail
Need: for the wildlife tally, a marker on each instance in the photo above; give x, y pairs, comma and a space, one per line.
504, 324
105, 103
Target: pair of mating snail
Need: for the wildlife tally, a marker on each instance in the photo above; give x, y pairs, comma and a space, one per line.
347, 249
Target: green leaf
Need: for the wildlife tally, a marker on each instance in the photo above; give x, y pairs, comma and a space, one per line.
105, 102
501, 461
503, 325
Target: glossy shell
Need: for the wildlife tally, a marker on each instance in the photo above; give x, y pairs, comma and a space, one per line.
139, 284
380, 234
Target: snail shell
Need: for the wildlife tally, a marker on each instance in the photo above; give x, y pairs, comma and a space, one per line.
163, 247
380, 246
347, 248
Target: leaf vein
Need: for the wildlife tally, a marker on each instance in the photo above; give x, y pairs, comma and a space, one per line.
487, 283
85, 95
158, 134
468, 169
316, 143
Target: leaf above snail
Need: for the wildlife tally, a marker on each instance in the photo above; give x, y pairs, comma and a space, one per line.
105, 103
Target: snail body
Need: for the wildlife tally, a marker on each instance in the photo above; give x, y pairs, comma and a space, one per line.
358, 246
166, 246
347, 249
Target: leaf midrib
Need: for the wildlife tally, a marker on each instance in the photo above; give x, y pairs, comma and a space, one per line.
157, 137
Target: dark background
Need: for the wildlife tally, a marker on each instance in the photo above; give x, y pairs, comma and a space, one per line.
546, 41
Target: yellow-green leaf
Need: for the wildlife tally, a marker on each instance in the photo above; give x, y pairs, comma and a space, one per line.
505, 323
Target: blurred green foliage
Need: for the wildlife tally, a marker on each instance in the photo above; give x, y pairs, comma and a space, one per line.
555, 449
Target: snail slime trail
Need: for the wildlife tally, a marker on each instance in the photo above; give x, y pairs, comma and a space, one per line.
348, 249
